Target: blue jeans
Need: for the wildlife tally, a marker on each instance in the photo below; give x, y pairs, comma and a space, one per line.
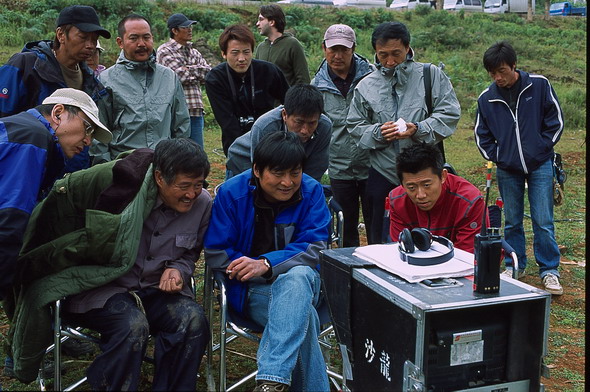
180, 330
540, 194
197, 123
289, 351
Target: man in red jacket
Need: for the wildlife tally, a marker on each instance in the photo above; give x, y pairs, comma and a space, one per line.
430, 197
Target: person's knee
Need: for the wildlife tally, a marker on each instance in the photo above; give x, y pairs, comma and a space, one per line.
191, 318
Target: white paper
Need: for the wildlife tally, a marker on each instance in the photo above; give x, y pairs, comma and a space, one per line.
401, 125
387, 257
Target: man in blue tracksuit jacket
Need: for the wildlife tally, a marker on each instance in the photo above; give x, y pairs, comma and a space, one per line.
518, 122
33, 147
267, 227
45, 66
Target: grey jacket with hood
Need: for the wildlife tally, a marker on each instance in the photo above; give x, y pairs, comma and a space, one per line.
372, 105
347, 160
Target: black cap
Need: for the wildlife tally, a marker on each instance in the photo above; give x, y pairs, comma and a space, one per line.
84, 18
179, 20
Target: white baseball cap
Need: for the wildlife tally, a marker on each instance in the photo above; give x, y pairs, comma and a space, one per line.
81, 100
339, 34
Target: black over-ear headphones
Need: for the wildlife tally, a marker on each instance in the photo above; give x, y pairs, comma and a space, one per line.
422, 239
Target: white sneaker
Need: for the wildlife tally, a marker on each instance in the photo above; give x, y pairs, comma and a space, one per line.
552, 285
509, 273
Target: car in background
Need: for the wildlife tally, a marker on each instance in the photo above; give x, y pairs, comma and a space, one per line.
405, 5
467, 5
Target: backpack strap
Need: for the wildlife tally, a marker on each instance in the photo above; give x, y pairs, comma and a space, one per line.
427, 88
428, 101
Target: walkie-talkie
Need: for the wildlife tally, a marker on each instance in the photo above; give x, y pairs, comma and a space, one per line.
488, 251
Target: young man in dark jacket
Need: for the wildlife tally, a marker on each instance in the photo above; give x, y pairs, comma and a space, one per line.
267, 228
518, 123
242, 89
45, 66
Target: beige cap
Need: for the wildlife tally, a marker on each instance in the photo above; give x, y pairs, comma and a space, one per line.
339, 34
81, 100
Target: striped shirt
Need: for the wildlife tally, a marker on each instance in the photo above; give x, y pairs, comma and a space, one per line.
191, 68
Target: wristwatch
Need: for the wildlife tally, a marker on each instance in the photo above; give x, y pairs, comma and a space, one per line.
268, 273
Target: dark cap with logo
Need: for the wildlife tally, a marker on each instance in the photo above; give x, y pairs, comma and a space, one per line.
84, 18
179, 20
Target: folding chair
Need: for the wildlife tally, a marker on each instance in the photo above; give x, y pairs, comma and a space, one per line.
232, 325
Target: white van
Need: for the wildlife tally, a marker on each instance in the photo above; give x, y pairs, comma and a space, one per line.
467, 5
404, 5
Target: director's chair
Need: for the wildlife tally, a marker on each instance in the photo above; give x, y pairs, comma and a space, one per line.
233, 326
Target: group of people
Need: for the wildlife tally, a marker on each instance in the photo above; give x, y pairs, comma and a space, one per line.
120, 240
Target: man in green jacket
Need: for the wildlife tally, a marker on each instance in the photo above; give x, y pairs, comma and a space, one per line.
280, 48
120, 241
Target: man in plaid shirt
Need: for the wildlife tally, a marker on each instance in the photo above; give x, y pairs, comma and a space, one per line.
179, 55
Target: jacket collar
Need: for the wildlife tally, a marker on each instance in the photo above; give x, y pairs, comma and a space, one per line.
399, 70
362, 68
150, 64
494, 90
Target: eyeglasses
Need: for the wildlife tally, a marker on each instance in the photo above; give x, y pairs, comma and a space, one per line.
88, 128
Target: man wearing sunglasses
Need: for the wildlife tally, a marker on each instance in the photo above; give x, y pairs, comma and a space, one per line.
180, 55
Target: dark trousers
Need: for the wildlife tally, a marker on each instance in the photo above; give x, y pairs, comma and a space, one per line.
378, 188
178, 325
347, 193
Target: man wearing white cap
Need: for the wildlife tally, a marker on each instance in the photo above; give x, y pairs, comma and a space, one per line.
182, 57
33, 148
45, 66
336, 78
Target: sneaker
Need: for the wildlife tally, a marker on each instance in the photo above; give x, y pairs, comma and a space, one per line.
270, 386
48, 369
76, 348
509, 273
552, 285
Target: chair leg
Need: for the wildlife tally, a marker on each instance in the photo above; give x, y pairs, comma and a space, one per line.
57, 347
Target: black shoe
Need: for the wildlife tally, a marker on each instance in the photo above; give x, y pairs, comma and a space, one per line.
77, 348
48, 369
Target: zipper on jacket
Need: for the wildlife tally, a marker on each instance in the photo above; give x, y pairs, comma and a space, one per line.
518, 141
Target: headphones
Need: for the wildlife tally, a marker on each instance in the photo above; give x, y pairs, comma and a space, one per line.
422, 239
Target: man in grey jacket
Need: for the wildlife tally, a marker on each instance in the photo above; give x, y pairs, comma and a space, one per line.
388, 113
146, 102
348, 169
301, 114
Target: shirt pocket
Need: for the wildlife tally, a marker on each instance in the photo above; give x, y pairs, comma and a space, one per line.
186, 240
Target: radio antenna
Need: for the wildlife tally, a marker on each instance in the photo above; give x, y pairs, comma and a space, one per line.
488, 186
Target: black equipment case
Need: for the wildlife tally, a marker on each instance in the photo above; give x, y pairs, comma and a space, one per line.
400, 336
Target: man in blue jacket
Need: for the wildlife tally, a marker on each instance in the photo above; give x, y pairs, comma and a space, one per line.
267, 228
45, 66
518, 122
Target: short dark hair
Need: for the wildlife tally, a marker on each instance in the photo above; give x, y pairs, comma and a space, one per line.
121, 25
275, 13
180, 156
418, 157
498, 54
304, 99
279, 151
390, 30
238, 32
66, 29
45, 109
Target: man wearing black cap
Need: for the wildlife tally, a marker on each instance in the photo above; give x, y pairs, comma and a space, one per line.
45, 66
182, 57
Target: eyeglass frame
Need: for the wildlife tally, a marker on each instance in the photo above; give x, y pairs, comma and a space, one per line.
87, 125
